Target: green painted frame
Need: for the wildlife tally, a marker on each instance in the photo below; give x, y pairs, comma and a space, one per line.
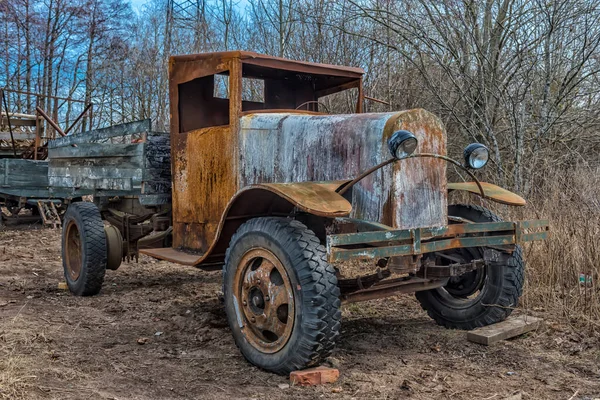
412, 242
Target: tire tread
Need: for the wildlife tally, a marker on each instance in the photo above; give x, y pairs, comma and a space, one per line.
321, 305
514, 278
94, 247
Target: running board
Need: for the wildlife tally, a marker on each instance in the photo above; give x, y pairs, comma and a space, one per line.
173, 255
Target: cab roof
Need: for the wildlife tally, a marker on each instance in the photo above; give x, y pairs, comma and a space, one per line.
262, 60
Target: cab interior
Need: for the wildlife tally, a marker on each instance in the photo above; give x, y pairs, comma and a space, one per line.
205, 101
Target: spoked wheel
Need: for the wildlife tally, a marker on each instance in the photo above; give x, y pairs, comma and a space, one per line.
83, 249
267, 300
281, 296
480, 297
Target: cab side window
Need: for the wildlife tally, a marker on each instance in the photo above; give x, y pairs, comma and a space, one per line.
204, 102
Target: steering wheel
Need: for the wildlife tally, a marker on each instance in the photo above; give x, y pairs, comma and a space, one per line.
313, 101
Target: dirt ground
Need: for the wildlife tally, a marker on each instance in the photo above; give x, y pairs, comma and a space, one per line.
57, 346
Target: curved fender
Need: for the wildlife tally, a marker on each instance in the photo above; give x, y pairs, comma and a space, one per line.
275, 199
318, 198
262, 200
490, 191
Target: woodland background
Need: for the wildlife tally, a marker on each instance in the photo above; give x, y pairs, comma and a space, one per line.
521, 76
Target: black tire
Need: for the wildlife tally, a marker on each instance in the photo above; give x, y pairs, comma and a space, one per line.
82, 221
317, 315
498, 289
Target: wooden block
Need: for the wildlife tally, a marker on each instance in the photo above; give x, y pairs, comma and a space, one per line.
63, 286
314, 376
504, 330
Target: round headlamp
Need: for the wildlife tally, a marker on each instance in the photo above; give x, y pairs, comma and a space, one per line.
402, 144
476, 155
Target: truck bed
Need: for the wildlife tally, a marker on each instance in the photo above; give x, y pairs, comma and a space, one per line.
122, 160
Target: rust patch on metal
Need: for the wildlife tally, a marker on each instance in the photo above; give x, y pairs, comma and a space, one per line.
317, 198
204, 183
419, 196
73, 250
264, 299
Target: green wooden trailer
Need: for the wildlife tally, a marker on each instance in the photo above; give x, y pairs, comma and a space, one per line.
127, 161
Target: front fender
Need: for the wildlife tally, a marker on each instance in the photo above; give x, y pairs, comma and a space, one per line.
264, 200
490, 191
318, 198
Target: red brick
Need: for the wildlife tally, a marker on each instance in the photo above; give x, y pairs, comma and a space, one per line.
314, 376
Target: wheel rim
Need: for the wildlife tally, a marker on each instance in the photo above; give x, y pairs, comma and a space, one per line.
466, 285
264, 300
73, 251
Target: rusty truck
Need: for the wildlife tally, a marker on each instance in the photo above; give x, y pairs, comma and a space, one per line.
258, 179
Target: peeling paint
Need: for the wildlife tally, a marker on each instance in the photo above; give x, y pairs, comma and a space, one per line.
283, 147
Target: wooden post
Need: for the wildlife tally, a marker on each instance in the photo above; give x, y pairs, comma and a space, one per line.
12, 138
359, 103
37, 138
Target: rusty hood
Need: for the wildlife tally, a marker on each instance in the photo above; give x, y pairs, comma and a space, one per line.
291, 148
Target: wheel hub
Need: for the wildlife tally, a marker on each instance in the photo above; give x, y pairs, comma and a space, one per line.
258, 301
265, 300
467, 284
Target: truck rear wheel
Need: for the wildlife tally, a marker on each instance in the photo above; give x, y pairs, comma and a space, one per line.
481, 297
281, 296
83, 249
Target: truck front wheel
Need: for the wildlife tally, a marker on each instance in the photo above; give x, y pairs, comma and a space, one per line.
481, 297
281, 296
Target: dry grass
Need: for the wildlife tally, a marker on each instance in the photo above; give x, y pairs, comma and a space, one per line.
14, 370
571, 200
14, 380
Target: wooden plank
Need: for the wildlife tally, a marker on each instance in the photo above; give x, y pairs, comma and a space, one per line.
102, 134
37, 192
513, 326
13, 115
78, 192
17, 136
155, 174
83, 183
154, 199
110, 162
97, 150
96, 172
17, 122
16, 173
156, 187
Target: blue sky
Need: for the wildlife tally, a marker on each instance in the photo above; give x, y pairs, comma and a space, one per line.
137, 4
